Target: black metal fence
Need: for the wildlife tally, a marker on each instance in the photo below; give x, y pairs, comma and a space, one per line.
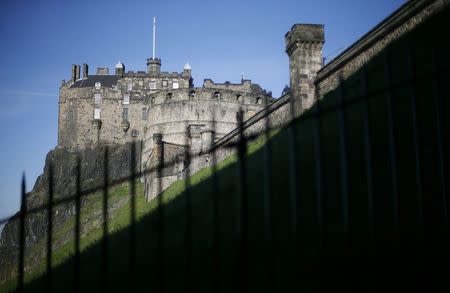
412, 228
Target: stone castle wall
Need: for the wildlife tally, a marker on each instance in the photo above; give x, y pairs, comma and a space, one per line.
402, 21
166, 111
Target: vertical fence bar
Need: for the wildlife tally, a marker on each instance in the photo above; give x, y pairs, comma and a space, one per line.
269, 200
440, 145
392, 149
132, 248
77, 235
368, 157
416, 145
188, 219
104, 272
216, 215
49, 228
160, 243
343, 144
243, 221
293, 170
23, 210
319, 175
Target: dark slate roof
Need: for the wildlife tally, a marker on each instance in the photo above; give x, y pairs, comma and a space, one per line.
105, 80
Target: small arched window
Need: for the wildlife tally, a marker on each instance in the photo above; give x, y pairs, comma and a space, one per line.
259, 100
239, 98
169, 96
216, 95
192, 93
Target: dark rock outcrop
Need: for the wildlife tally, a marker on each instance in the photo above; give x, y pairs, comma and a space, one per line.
64, 162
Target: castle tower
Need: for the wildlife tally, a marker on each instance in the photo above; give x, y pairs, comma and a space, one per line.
187, 70
85, 71
120, 69
154, 66
304, 47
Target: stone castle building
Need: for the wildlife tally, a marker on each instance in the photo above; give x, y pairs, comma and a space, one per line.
168, 115
152, 107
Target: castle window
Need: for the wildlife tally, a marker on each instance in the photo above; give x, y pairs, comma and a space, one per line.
152, 85
192, 93
125, 114
98, 85
169, 97
144, 114
97, 113
130, 86
259, 100
239, 98
175, 84
216, 95
126, 99
134, 132
153, 100
164, 83
97, 98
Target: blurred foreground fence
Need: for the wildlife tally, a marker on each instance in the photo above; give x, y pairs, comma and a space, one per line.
354, 194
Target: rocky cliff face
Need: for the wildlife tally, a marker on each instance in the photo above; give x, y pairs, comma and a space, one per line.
64, 162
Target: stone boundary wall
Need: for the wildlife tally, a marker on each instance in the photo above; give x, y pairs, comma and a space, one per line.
278, 114
400, 22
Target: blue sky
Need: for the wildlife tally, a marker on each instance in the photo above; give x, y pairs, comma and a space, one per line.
220, 39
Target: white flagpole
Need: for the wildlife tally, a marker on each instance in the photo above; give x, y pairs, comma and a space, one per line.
154, 36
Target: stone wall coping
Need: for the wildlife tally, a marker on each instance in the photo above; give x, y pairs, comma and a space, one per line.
389, 24
254, 119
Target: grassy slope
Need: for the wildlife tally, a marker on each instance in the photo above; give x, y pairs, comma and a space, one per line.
293, 259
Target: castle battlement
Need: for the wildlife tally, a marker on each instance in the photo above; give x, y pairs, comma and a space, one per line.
122, 107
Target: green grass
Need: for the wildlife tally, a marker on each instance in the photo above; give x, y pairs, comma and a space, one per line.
306, 260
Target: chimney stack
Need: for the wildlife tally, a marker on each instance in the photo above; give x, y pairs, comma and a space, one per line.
85, 71
77, 72
74, 70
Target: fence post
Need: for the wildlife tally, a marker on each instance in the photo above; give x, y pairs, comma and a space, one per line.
132, 251
49, 229
243, 209
440, 146
368, 157
105, 220
216, 215
416, 146
343, 144
23, 210
188, 215
269, 201
77, 227
392, 150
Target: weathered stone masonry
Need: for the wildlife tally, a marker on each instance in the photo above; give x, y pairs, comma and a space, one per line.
135, 106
